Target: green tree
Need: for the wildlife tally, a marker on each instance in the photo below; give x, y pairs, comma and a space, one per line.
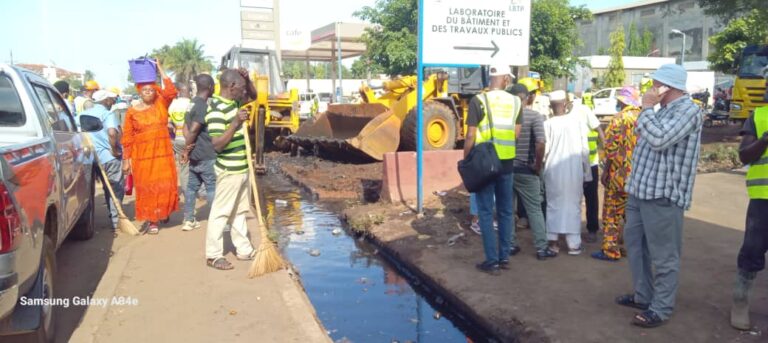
88, 75
729, 43
74, 82
392, 43
362, 67
639, 44
615, 75
730, 9
130, 90
554, 37
184, 60
294, 69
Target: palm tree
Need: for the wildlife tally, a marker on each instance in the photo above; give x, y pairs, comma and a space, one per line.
184, 60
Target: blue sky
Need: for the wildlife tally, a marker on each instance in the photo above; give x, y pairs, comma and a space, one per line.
103, 35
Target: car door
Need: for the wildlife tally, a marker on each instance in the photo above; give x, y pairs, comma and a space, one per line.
602, 101
82, 158
66, 148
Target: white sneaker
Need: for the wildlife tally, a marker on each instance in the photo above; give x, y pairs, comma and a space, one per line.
475, 227
190, 225
577, 251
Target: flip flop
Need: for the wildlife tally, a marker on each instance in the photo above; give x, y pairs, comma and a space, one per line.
648, 319
628, 300
600, 255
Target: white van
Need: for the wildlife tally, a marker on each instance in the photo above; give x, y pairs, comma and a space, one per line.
305, 105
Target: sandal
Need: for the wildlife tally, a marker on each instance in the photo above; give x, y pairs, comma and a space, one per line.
219, 263
628, 300
248, 257
600, 255
648, 319
153, 229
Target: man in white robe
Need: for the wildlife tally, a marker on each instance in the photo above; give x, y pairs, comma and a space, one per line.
566, 167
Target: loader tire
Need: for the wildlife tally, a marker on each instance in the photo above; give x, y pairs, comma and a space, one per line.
439, 128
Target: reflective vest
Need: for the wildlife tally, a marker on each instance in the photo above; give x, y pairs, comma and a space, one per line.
592, 138
504, 108
586, 99
757, 176
645, 84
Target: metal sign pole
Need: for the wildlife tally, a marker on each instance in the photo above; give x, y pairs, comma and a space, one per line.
420, 114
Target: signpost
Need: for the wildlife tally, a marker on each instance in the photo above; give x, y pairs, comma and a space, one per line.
458, 33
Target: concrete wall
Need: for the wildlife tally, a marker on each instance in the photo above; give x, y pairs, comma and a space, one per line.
399, 180
659, 17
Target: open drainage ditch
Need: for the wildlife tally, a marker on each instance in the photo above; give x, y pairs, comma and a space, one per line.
359, 293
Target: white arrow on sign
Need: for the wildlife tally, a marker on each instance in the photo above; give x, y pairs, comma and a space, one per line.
459, 32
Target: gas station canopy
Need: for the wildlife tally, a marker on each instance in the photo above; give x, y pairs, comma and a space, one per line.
325, 40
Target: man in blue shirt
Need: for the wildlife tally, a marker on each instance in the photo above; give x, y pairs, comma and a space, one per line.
107, 146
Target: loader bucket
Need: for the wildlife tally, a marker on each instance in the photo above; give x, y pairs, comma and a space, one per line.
365, 130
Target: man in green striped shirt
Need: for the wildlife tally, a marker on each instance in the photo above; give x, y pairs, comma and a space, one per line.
230, 204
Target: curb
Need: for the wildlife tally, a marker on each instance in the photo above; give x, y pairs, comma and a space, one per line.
94, 315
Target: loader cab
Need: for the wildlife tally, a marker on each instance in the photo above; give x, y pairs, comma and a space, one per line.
261, 61
465, 80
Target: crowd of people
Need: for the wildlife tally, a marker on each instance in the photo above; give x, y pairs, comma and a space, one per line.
550, 161
169, 143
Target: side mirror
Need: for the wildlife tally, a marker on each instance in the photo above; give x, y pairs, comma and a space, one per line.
90, 123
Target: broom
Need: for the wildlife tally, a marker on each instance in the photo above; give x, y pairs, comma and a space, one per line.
267, 259
123, 223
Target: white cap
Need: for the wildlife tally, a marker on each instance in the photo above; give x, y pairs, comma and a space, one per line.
101, 95
557, 95
500, 70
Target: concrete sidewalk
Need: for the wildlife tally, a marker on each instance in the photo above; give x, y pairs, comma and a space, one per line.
571, 298
180, 299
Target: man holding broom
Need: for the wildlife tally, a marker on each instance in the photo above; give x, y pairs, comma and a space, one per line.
106, 144
230, 203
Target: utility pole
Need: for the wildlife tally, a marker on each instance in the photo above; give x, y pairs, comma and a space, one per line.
11, 57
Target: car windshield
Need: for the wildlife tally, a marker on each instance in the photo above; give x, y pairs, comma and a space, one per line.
754, 65
603, 94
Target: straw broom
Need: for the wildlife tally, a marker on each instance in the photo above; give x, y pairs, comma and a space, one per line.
267, 259
123, 223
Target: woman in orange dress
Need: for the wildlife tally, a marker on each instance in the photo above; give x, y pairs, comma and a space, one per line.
148, 154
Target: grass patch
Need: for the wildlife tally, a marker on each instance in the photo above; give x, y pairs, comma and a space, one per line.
365, 222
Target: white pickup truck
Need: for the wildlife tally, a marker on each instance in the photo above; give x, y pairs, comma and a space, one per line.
46, 194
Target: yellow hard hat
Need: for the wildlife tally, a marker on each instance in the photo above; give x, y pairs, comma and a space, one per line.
115, 90
529, 83
91, 85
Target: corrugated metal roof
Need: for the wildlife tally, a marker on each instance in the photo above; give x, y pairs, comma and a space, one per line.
628, 6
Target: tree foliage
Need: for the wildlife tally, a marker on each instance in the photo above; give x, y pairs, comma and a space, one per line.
184, 60
730, 9
729, 43
317, 70
392, 43
363, 67
88, 75
615, 75
639, 44
554, 36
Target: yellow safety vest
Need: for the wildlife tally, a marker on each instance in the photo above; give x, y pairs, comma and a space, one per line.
645, 85
592, 140
757, 176
586, 99
504, 108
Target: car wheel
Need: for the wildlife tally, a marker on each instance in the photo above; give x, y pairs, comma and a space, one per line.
46, 331
86, 225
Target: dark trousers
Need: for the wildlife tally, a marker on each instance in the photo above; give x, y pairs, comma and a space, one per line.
592, 202
753, 249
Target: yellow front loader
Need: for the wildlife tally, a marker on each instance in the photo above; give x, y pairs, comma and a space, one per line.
388, 123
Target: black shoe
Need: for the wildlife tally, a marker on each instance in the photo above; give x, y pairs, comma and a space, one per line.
504, 264
489, 267
545, 254
591, 237
514, 250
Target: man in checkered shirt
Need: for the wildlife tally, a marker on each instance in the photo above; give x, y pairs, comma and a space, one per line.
660, 188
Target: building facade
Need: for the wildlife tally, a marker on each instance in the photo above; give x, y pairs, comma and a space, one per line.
660, 17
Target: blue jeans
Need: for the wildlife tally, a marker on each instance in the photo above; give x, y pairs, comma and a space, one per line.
497, 244
200, 172
473, 204
114, 171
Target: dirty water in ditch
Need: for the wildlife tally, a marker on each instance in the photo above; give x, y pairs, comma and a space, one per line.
357, 295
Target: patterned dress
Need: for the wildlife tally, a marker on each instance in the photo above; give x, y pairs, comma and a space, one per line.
620, 140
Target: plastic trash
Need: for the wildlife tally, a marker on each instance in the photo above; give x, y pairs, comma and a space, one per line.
280, 202
452, 240
314, 252
336, 232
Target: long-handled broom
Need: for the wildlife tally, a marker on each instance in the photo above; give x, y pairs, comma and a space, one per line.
123, 223
267, 259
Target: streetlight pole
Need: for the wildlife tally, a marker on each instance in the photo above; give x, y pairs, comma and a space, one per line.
682, 59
